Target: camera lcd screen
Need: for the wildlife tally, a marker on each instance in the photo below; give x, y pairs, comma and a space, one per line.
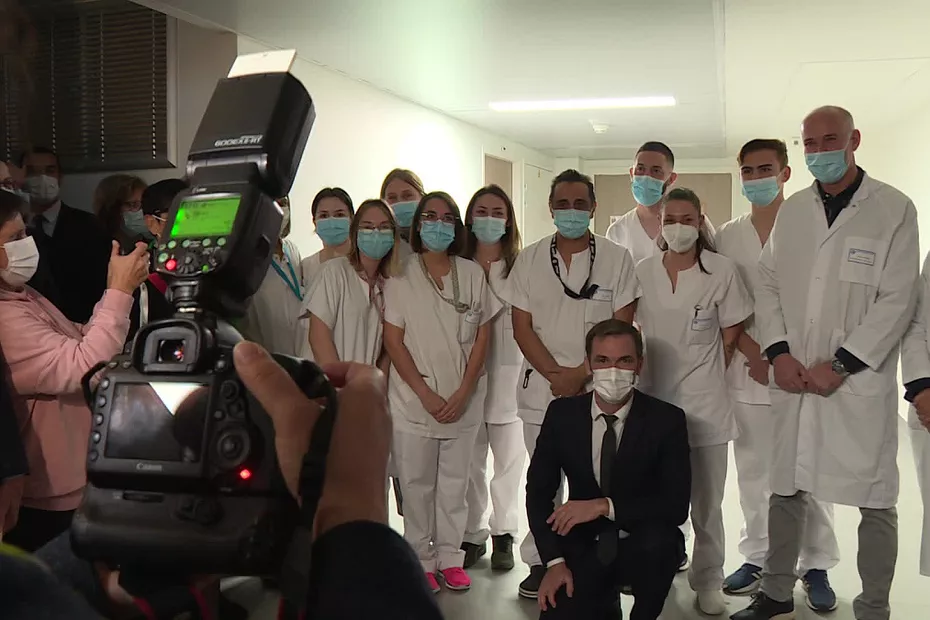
206, 217
157, 422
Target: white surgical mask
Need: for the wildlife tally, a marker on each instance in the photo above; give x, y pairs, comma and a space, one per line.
43, 189
22, 261
679, 237
613, 384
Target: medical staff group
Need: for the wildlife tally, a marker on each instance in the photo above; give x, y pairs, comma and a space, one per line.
779, 333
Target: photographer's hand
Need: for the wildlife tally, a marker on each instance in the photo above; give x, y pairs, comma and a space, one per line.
357, 465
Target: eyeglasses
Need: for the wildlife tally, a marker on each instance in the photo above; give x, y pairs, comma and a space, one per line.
132, 205
8, 183
432, 216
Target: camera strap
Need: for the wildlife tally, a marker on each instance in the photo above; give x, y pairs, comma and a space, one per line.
292, 282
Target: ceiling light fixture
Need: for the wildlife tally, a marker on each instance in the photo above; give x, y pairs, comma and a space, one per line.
582, 104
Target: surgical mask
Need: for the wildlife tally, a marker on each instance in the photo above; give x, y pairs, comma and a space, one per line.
572, 223
680, 237
403, 212
22, 261
134, 222
646, 190
437, 236
828, 166
613, 384
761, 192
488, 229
375, 243
43, 189
286, 220
333, 230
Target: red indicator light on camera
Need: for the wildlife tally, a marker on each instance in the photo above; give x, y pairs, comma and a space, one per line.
245, 474
171, 264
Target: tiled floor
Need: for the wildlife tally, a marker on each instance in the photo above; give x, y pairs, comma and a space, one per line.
494, 597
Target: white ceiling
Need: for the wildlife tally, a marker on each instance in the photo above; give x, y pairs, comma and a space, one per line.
738, 68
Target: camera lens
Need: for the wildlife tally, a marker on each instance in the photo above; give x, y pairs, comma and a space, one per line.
171, 351
233, 446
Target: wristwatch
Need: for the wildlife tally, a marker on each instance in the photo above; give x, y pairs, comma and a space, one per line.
837, 366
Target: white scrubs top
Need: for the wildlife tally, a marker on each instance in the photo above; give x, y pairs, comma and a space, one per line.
560, 321
311, 267
342, 300
739, 241
685, 364
271, 318
440, 340
504, 358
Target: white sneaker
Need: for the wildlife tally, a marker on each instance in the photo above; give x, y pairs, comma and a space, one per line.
711, 603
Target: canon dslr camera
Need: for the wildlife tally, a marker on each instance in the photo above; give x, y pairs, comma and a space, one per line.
182, 471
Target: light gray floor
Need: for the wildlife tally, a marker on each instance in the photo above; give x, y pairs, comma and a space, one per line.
494, 596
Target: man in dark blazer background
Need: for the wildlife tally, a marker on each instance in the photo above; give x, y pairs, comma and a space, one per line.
626, 458
74, 253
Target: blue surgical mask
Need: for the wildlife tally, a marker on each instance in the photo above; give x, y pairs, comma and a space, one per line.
333, 230
827, 166
646, 190
437, 236
488, 229
134, 222
375, 243
761, 192
403, 212
572, 223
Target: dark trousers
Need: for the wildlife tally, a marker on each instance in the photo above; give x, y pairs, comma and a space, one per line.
647, 560
36, 527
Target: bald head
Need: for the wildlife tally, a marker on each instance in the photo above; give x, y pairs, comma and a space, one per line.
832, 113
830, 128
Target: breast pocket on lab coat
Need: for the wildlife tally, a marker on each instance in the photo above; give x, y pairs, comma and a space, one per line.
468, 325
598, 308
703, 326
862, 260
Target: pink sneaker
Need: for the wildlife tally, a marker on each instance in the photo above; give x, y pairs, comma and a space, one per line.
456, 579
432, 583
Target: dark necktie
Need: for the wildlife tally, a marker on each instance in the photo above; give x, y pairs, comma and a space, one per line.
37, 229
607, 542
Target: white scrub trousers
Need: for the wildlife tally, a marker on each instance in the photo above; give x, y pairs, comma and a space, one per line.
752, 452
708, 479
920, 444
433, 479
528, 552
506, 444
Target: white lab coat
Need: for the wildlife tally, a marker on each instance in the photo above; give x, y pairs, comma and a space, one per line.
440, 341
915, 365
341, 299
682, 329
504, 358
852, 286
271, 318
628, 231
560, 321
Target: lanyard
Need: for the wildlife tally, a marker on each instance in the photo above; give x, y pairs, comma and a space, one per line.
455, 302
587, 289
292, 283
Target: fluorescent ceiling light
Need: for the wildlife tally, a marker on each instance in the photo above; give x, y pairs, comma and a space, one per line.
582, 104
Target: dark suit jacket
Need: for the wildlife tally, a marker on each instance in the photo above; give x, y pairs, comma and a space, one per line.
651, 479
73, 264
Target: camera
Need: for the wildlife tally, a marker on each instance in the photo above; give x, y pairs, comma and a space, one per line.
182, 471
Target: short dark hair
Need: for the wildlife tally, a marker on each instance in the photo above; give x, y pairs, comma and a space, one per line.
157, 197
613, 327
765, 144
39, 150
331, 192
572, 176
458, 244
658, 147
10, 205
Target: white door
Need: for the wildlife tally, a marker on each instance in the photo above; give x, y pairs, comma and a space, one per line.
537, 223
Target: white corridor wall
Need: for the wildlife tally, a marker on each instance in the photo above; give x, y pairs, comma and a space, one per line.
361, 133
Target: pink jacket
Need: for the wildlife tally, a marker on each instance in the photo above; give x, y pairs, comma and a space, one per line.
47, 355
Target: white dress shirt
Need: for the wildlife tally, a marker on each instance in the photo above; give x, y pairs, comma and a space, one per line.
598, 427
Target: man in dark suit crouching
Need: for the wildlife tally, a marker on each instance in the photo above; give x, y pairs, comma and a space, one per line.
626, 458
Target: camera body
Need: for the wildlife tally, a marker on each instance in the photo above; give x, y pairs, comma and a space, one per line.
183, 476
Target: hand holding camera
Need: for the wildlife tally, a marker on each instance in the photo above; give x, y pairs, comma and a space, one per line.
127, 273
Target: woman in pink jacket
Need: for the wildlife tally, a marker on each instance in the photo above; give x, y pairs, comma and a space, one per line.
47, 355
